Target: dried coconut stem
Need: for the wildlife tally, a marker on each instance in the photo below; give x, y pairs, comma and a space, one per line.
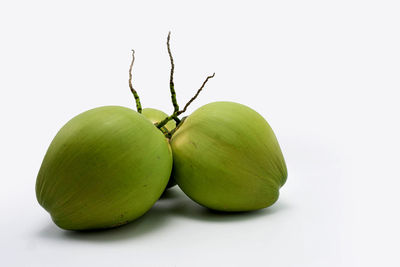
196, 95
135, 94
171, 77
175, 114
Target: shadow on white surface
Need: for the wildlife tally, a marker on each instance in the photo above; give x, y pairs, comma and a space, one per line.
172, 204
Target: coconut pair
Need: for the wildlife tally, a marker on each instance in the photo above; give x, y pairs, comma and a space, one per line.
109, 165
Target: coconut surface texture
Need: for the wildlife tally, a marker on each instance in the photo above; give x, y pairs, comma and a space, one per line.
104, 168
155, 115
227, 158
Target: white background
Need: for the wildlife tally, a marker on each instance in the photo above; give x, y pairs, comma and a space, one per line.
325, 74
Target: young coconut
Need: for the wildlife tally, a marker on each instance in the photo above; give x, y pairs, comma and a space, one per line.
104, 168
227, 158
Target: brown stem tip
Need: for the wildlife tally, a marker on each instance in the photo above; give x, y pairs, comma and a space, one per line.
196, 95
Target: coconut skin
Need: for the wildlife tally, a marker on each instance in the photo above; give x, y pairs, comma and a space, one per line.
155, 115
104, 168
227, 158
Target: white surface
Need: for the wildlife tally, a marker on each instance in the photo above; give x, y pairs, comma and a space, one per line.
325, 74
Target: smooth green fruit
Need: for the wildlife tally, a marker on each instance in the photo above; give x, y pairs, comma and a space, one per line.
104, 168
155, 115
227, 158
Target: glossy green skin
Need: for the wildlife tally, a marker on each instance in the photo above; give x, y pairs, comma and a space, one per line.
104, 168
227, 158
155, 115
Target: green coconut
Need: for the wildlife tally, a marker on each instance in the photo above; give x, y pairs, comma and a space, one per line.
104, 168
227, 158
